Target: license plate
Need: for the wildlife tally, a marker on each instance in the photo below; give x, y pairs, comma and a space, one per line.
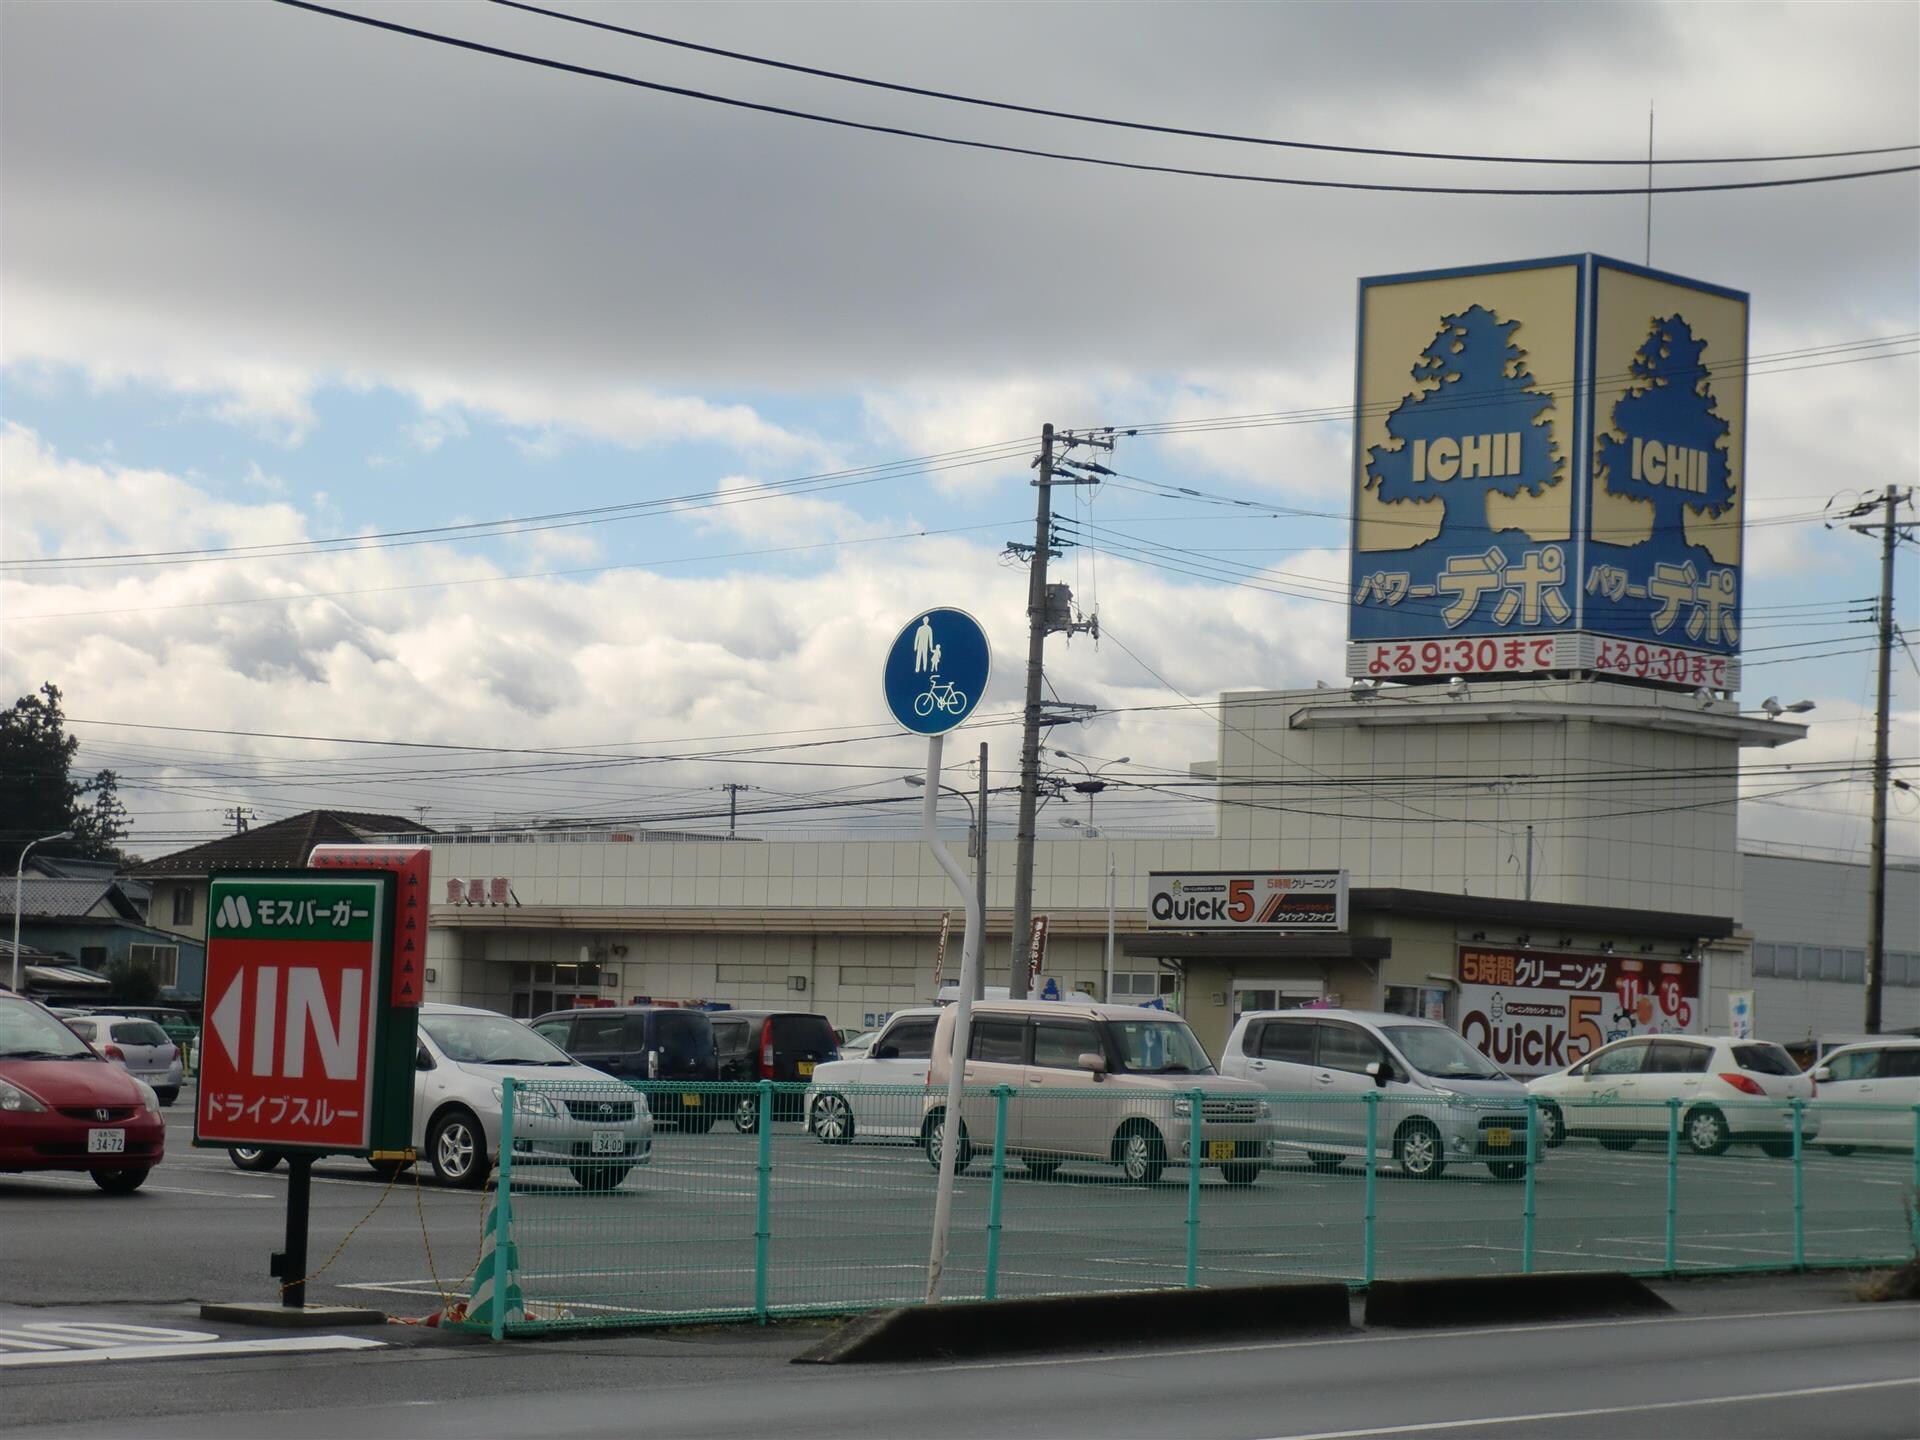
692, 1102
806, 1069
1219, 1149
609, 1142
1499, 1135
106, 1142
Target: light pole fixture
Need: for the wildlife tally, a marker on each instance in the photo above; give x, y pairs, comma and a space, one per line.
1092, 785
18, 870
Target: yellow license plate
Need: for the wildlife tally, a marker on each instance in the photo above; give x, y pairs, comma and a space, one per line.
692, 1102
806, 1069
1499, 1135
1219, 1149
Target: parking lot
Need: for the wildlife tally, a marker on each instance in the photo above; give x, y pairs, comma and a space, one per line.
848, 1226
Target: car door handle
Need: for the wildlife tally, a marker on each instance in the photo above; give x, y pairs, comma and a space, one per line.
1256, 1064
1324, 1079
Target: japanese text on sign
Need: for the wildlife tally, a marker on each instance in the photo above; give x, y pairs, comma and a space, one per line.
1531, 1011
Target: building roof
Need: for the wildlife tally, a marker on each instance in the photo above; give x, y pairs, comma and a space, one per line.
44, 898
284, 842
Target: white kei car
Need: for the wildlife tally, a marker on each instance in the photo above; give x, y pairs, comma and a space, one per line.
1727, 1092
838, 1110
600, 1131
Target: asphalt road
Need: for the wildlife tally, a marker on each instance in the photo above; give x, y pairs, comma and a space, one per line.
1752, 1358
850, 1225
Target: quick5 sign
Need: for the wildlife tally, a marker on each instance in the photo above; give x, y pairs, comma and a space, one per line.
1549, 474
1265, 900
301, 1048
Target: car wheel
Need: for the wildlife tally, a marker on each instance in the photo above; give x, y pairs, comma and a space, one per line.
933, 1135
1840, 1150
1553, 1127
1778, 1149
599, 1178
1325, 1160
832, 1120
1418, 1151
1507, 1169
458, 1150
1140, 1153
248, 1157
121, 1182
746, 1114
1706, 1130
1243, 1172
168, 1095
1616, 1142
390, 1170
1040, 1169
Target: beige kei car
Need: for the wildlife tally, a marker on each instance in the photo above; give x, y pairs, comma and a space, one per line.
1101, 1084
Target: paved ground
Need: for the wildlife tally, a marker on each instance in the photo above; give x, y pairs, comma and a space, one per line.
849, 1224
1751, 1357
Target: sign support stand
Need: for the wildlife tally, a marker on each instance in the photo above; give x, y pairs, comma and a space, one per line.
970, 947
290, 1265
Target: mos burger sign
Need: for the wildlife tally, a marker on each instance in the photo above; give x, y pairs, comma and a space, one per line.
1267, 901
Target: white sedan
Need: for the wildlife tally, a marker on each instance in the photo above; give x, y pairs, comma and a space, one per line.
839, 1103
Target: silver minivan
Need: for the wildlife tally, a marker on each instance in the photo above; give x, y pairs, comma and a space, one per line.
1440, 1100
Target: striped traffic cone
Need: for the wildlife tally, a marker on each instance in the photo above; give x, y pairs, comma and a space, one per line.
510, 1304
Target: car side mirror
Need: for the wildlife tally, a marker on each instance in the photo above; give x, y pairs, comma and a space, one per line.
886, 1052
422, 1060
1378, 1072
1094, 1064
1823, 1074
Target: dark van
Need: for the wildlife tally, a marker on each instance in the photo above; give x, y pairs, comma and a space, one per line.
772, 1045
645, 1042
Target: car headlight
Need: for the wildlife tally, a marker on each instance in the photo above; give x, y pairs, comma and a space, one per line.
525, 1102
641, 1109
149, 1097
1266, 1109
1183, 1107
16, 1100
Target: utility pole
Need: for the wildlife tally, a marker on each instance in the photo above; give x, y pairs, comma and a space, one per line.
733, 789
239, 815
1042, 617
980, 873
1890, 532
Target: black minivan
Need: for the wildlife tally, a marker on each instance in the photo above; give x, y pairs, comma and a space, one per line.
645, 1042
772, 1045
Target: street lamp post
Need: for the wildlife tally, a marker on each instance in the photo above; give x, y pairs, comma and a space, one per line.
1093, 784
976, 823
18, 870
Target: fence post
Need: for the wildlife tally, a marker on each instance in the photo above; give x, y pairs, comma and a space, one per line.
502, 1210
1533, 1160
1000, 1093
1799, 1190
763, 1220
1673, 1185
1197, 1100
1914, 1208
1373, 1133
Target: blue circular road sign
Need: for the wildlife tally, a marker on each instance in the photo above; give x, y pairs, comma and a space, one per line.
937, 670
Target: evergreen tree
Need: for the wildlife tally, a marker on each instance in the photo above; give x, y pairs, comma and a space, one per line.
39, 794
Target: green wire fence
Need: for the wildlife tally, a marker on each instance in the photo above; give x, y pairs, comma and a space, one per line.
674, 1204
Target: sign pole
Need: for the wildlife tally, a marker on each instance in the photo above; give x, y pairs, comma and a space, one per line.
290, 1265
962, 1018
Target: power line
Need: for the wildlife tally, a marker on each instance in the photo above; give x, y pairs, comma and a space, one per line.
1084, 119
902, 132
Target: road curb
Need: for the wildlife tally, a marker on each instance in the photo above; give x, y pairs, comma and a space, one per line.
1015, 1327
1501, 1299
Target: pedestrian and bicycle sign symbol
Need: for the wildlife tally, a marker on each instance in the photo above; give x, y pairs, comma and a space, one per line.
937, 670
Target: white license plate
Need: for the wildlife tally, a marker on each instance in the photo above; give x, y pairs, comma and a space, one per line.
106, 1142
609, 1142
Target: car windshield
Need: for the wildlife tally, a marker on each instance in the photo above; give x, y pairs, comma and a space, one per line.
1158, 1047
29, 1033
489, 1040
1441, 1053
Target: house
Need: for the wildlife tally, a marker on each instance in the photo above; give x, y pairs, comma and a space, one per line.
78, 915
179, 881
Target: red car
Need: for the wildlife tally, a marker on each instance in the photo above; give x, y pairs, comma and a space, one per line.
62, 1107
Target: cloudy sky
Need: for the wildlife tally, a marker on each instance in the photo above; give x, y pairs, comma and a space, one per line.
271, 278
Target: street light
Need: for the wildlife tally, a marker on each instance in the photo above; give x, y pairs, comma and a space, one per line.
18, 870
1093, 784
976, 846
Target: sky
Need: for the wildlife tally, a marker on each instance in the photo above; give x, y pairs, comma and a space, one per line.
270, 278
